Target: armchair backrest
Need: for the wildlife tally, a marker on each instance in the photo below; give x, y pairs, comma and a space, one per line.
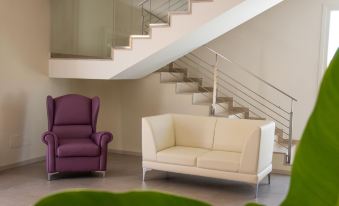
72, 116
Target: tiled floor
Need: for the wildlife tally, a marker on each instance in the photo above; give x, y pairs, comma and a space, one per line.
25, 185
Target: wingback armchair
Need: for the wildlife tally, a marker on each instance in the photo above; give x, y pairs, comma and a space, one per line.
73, 144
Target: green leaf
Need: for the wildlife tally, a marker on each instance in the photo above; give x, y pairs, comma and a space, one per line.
315, 172
90, 198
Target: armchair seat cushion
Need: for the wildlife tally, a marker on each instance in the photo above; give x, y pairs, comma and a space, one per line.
220, 160
180, 155
83, 147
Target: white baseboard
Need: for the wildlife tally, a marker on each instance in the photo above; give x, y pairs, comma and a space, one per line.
22, 163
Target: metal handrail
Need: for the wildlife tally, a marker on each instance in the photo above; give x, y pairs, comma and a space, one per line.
290, 120
241, 84
251, 73
234, 94
227, 82
143, 2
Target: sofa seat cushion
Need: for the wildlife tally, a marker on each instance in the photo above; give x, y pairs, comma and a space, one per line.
83, 147
220, 160
180, 155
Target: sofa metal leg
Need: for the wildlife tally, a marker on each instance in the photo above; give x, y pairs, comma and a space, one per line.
50, 175
269, 178
256, 190
144, 171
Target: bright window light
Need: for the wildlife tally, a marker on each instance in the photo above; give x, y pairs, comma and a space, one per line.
333, 43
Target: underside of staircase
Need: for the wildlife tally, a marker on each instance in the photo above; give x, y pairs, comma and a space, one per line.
183, 32
226, 107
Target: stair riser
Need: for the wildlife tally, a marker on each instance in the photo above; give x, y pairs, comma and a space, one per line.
187, 87
205, 97
222, 107
171, 77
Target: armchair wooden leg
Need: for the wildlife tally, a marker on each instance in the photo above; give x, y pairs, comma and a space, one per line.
102, 173
50, 175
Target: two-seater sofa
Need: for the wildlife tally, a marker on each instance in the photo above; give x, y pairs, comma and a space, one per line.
232, 149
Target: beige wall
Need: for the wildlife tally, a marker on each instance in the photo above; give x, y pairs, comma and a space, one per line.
24, 82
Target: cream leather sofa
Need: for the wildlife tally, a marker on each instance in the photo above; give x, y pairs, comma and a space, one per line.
239, 150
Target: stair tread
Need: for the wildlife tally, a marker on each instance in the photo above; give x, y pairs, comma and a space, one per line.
227, 113
240, 109
219, 99
206, 89
257, 118
277, 148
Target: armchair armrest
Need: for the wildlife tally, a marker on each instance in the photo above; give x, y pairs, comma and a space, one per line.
102, 138
50, 138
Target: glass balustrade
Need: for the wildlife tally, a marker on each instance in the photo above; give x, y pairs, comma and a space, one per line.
89, 29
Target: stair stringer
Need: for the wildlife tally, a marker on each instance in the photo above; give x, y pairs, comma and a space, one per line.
187, 31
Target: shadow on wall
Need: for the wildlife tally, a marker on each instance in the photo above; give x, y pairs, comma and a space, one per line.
12, 125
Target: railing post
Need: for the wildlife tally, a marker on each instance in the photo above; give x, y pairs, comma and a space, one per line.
143, 19
215, 85
150, 11
290, 134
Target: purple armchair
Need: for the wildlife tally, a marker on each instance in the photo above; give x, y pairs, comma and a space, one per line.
73, 144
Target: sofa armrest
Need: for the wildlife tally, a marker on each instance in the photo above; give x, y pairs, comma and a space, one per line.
258, 150
266, 146
149, 151
157, 135
102, 138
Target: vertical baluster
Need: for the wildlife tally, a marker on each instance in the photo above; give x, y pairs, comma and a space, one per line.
143, 20
290, 133
215, 84
150, 12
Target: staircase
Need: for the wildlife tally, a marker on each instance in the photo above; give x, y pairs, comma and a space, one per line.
184, 31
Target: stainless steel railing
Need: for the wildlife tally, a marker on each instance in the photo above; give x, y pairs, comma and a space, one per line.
224, 84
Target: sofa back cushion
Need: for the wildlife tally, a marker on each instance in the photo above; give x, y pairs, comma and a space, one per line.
194, 131
231, 135
72, 110
72, 131
163, 131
